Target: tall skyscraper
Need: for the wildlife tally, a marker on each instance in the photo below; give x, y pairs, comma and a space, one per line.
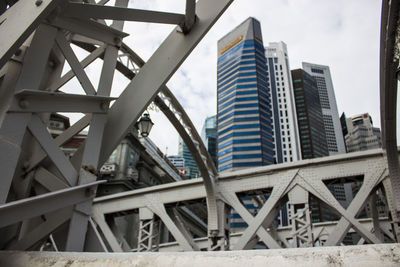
287, 143
334, 136
361, 134
244, 112
309, 116
209, 136
312, 135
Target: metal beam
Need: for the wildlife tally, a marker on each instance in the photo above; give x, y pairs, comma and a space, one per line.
243, 180
74, 63
105, 229
61, 140
42, 101
49, 180
52, 222
283, 233
96, 53
370, 164
317, 188
190, 16
91, 29
94, 242
78, 224
13, 126
389, 64
20, 210
39, 131
89, 11
277, 192
231, 199
15, 28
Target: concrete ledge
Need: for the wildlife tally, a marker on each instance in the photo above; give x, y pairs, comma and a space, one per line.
363, 256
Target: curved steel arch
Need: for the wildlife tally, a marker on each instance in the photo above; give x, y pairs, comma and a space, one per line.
389, 78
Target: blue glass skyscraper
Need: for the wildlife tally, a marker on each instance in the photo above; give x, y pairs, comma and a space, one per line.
244, 113
209, 136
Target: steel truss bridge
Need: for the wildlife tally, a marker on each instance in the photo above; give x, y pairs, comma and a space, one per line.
45, 195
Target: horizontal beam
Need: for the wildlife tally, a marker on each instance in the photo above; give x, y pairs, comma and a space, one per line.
96, 53
87, 11
91, 29
258, 178
42, 101
20, 210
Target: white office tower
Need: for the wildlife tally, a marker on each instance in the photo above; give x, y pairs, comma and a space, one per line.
361, 134
287, 143
333, 130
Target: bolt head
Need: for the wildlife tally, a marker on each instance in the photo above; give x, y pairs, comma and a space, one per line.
38, 2
18, 52
23, 103
104, 106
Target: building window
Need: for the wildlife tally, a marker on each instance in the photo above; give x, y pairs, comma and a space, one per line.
317, 70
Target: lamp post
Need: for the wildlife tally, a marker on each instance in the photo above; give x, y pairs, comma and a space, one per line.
145, 125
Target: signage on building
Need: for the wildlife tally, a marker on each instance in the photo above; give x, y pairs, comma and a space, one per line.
228, 46
182, 171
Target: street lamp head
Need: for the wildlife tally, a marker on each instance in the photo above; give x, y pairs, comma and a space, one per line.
145, 125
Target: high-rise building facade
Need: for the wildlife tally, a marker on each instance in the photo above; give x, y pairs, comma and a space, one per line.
312, 134
287, 143
209, 137
244, 112
334, 136
309, 116
190, 164
361, 134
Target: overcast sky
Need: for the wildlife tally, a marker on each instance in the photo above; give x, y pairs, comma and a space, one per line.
343, 34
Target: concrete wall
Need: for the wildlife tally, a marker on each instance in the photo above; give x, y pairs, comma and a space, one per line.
363, 256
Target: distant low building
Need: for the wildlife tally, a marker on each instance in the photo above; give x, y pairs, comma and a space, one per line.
190, 164
361, 134
179, 163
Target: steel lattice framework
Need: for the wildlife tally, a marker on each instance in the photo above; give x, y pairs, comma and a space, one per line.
46, 196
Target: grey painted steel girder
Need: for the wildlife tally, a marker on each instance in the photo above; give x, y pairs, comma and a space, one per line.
61, 175
320, 232
309, 175
171, 107
389, 75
